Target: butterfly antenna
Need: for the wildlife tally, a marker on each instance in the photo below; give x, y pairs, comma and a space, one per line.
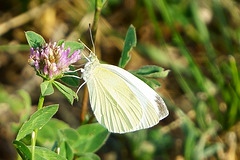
84, 45
86, 57
87, 49
90, 31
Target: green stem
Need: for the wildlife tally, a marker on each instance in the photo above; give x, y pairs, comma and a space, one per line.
34, 133
96, 18
40, 102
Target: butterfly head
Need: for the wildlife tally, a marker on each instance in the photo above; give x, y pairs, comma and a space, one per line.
89, 66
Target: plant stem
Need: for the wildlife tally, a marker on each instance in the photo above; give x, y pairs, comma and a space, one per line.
40, 102
34, 133
96, 18
84, 104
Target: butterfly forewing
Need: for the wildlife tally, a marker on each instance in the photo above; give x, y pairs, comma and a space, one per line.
114, 104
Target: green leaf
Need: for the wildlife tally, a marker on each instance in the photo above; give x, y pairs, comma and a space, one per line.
92, 137
37, 120
66, 91
152, 71
44, 153
71, 80
34, 40
22, 150
87, 138
47, 134
153, 83
88, 156
70, 135
46, 88
73, 46
60, 42
66, 150
130, 42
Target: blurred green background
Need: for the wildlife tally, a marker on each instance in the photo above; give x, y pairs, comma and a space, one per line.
198, 40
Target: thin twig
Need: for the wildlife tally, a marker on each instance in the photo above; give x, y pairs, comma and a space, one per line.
84, 104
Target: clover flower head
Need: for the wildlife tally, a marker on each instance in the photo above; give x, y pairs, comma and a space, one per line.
51, 60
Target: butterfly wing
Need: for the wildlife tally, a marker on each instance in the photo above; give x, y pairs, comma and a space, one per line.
122, 102
154, 108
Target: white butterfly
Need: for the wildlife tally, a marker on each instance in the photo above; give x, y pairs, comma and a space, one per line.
120, 101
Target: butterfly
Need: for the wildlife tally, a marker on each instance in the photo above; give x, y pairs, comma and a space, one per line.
120, 101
